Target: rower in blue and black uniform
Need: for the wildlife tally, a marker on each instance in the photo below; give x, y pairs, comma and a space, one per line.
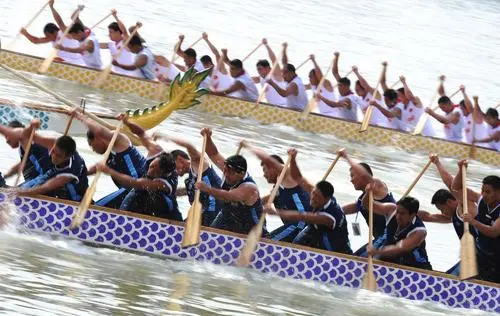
361, 176
290, 196
153, 194
124, 158
38, 161
67, 179
406, 246
326, 225
238, 197
486, 222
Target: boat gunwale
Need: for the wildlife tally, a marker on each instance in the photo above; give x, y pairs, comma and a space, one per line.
263, 240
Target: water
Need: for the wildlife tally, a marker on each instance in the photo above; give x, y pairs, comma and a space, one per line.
420, 39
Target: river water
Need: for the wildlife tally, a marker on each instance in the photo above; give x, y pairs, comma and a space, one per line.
420, 39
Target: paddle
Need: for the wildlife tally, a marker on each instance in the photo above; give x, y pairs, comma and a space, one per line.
105, 73
468, 264
369, 110
11, 44
314, 99
424, 117
269, 75
102, 20
193, 221
412, 185
44, 67
175, 56
303, 63
369, 281
71, 117
25, 156
498, 106
89, 194
240, 146
472, 151
253, 51
256, 232
334, 162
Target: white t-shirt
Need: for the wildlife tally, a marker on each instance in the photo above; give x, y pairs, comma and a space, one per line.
219, 81
93, 59
324, 108
481, 131
454, 132
352, 113
126, 57
299, 101
492, 131
272, 96
72, 58
377, 117
250, 92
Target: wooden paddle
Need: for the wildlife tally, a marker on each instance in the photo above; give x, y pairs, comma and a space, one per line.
472, 151
394, 84
498, 106
240, 146
105, 73
314, 99
11, 44
193, 221
334, 162
71, 117
253, 51
175, 56
369, 281
424, 117
412, 185
44, 67
89, 194
256, 232
102, 20
369, 110
302, 64
468, 263
25, 157
266, 85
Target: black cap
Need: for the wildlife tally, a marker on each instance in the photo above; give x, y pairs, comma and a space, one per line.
237, 163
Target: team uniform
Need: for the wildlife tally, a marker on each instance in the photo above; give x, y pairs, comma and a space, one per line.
295, 199
410, 117
73, 190
219, 81
272, 96
38, 162
236, 216
148, 70
332, 238
130, 162
324, 108
352, 113
67, 57
208, 202
377, 117
93, 59
395, 122
126, 57
480, 131
250, 92
492, 131
454, 132
299, 101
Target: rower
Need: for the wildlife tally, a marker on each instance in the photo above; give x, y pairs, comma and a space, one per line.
190, 58
407, 245
241, 206
38, 162
394, 110
412, 109
219, 79
326, 223
327, 91
263, 69
118, 34
348, 103
67, 179
154, 193
486, 222
449, 204
144, 60
361, 177
491, 117
165, 70
295, 92
243, 87
452, 121
291, 195
124, 158
471, 112
366, 91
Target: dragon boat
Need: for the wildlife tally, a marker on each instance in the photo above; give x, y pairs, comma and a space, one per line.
162, 238
264, 113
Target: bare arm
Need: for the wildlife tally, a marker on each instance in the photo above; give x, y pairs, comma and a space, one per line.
140, 61
12, 171
297, 174
121, 26
212, 151
383, 78
386, 112
494, 137
133, 183
409, 93
245, 192
122, 142
443, 119
34, 39
237, 85
362, 81
319, 74
433, 218
490, 231
277, 70
47, 187
284, 57
146, 140
477, 112
349, 208
291, 89
86, 47
317, 218
446, 177
335, 68
57, 18
214, 50
194, 154
404, 246
179, 50
456, 184
384, 209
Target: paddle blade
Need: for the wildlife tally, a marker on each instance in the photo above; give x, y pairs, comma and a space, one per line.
421, 124
366, 119
85, 203
252, 240
102, 77
308, 109
468, 264
193, 225
369, 281
44, 67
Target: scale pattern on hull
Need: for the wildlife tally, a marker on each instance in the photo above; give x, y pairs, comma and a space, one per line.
149, 236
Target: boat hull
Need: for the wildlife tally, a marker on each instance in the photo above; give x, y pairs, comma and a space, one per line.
128, 231
264, 113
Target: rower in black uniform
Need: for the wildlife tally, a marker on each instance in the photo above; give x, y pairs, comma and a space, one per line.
406, 246
486, 222
124, 158
67, 179
152, 194
290, 196
361, 176
326, 225
241, 206
38, 161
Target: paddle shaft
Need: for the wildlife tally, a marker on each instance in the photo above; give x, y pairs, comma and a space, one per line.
71, 117
334, 162
29, 23
175, 56
252, 52
25, 157
465, 207
302, 64
369, 280
472, 151
369, 110
417, 179
101, 20
313, 100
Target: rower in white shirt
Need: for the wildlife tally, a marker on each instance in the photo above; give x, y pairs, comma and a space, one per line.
165, 71
295, 91
263, 69
491, 117
474, 113
365, 91
144, 60
326, 90
452, 120
393, 110
118, 34
190, 58
219, 78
